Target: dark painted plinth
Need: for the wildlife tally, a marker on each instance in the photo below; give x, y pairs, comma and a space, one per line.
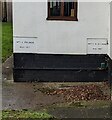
60, 68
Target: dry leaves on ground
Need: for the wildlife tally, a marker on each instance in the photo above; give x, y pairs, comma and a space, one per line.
81, 92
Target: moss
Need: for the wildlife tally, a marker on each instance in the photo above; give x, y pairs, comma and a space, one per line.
24, 114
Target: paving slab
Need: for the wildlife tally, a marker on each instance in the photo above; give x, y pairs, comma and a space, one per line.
19, 96
71, 112
7, 69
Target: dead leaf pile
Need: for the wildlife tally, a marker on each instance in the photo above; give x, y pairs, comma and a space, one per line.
81, 92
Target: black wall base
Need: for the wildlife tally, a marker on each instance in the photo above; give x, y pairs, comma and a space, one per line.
60, 68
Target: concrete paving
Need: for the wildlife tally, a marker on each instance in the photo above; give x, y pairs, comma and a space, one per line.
70, 112
26, 96
19, 96
7, 69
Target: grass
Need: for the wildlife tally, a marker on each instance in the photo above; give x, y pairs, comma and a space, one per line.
24, 114
7, 40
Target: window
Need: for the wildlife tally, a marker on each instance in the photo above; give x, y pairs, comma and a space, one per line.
60, 10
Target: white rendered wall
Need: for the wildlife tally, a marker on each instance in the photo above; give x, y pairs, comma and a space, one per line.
61, 37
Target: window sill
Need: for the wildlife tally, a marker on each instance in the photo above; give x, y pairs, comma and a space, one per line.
62, 18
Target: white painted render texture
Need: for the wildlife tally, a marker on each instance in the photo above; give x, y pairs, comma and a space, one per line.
62, 37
